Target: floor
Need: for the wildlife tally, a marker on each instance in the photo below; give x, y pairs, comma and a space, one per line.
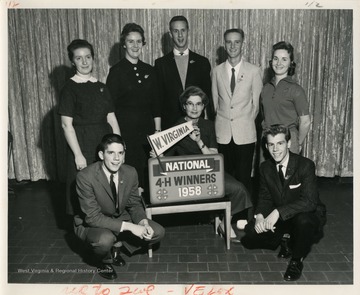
41, 249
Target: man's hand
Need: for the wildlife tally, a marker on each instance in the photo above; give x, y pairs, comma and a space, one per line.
149, 232
259, 224
271, 219
139, 230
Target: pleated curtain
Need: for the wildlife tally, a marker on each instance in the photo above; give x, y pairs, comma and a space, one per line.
38, 67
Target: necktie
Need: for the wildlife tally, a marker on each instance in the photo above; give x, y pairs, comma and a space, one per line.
232, 82
281, 174
113, 190
181, 53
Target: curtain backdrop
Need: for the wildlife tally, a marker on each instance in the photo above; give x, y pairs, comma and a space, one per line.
39, 66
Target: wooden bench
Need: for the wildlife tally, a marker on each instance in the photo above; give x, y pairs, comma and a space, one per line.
208, 205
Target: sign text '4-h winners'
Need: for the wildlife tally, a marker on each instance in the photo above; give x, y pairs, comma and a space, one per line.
186, 178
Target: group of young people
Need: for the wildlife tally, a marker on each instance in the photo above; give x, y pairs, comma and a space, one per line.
104, 187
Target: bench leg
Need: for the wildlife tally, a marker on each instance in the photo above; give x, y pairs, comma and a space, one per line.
150, 253
228, 224
217, 223
149, 215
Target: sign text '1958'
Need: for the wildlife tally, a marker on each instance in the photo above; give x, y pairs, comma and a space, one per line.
189, 191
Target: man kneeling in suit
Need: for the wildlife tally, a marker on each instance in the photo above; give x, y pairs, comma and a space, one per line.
289, 212
112, 212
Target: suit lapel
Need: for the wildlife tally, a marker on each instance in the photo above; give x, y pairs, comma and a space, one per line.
225, 79
242, 72
290, 170
275, 174
174, 70
121, 188
101, 177
191, 63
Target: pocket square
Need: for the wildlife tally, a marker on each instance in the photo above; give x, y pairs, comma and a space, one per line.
292, 186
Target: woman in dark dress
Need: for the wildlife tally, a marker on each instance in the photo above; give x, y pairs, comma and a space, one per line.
87, 114
133, 87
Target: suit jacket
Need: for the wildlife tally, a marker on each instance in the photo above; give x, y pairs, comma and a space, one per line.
236, 114
298, 194
97, 203
170, 86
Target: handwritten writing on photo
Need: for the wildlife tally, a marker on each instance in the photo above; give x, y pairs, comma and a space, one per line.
148, 290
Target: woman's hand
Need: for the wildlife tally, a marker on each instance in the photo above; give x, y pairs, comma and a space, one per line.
195, 135
153, 155
80, 162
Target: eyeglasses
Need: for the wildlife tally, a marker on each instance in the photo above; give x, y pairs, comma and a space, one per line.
198, 104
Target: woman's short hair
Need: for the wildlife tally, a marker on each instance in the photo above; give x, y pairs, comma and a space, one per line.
290, 49
109, 139
129, 28
276, 129
193, 91
76, 44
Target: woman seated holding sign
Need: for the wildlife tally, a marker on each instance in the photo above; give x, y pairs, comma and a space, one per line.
203, 141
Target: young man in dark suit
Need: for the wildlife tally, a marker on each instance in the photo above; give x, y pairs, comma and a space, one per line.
289, 211
112, 211
179, 69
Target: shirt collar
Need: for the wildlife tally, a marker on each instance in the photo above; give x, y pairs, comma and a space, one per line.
286, 79
229, 66
285, 163
78, 79
108, 173
177, 52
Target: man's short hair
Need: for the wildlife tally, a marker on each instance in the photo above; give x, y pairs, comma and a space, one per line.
109, 139
276, 129
240, 31
179, 18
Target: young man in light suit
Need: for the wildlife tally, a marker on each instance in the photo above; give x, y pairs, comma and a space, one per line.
236, 88
289, 212
178, 70
112, 211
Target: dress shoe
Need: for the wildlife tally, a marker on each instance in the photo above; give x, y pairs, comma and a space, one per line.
117, 259
293, 271
107, 271
285, 251
221, 232
241, 223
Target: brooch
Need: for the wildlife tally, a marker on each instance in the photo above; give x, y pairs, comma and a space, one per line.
241, 78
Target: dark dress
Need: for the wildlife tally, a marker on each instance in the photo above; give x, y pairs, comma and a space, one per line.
88, 104
133, 88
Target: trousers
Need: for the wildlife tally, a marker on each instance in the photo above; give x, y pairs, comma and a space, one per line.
102, 240
304, 229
